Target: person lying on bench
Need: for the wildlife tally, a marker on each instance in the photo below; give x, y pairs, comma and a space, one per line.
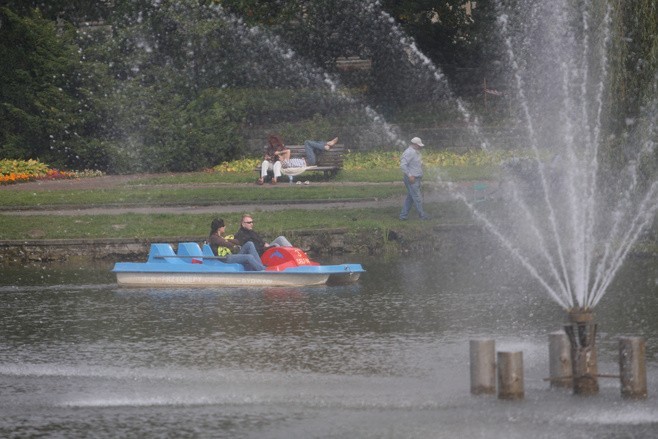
317, 145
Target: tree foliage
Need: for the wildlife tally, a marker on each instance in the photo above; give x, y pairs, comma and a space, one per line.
634, 85
143, 85
42, 113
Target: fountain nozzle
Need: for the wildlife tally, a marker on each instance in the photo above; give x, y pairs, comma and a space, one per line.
581, 315
582, 336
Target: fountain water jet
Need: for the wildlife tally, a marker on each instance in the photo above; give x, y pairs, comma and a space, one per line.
559, 219
570, 225
566, 220
304, 73
586, 237
567, 224
562, 205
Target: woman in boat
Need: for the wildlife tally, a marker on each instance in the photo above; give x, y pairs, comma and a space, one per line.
229, 247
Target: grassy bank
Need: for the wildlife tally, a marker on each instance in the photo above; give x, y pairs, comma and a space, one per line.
171, 194
209, 189
366, 176
133, 225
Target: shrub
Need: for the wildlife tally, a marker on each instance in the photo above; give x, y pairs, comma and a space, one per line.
356, 161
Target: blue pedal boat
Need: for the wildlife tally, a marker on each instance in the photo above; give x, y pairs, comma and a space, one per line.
193, 265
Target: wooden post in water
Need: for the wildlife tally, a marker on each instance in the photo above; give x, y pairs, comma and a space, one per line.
483, 366
559, 357
632, 367
582, 336
510, 375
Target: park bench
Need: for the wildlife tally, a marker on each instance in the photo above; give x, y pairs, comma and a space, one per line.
328, 162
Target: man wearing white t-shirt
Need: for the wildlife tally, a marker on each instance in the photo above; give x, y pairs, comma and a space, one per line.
411, 164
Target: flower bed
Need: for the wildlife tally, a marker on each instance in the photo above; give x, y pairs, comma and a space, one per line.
20, 171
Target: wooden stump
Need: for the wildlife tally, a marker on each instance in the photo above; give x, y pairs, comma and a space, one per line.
483, 366
510, 375
559, 356
632, 367
582, 337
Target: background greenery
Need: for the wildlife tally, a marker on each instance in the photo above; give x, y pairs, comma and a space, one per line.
128, 86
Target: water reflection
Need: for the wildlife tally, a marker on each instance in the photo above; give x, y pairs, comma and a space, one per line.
385, 357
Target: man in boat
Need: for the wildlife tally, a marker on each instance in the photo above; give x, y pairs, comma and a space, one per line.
247, 234
230, 248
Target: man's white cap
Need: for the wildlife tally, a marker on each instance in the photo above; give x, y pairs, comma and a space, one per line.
417, 141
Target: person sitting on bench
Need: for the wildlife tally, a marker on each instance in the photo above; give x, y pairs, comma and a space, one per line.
275, 153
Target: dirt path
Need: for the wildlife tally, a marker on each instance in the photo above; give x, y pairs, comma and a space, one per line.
218, 209
104, 182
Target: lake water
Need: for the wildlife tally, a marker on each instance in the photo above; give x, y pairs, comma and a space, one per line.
385, 358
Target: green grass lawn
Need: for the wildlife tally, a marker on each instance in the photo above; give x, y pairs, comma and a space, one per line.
205, 188
370, 175
132, 225
200, 196
215, 188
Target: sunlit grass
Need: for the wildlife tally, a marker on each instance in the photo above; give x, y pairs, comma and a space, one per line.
383, 175
237, 187
149, 226
200, 196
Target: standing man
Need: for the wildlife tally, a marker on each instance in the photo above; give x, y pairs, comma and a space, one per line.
411, 164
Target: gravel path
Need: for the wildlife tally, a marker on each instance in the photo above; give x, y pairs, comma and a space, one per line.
230, 208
